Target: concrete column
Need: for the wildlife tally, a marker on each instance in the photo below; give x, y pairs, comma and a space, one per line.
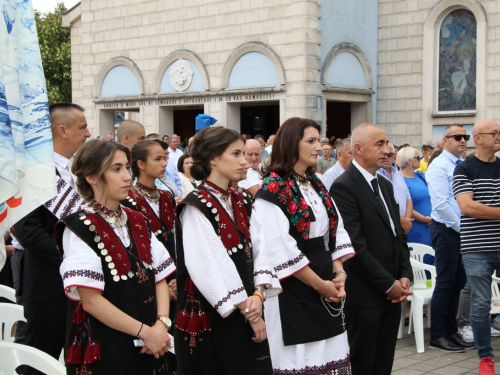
231, 117
166, 120
106, 121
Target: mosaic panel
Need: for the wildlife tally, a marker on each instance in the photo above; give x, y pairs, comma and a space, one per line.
457, 62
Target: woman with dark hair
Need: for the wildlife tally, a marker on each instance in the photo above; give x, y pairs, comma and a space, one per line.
113, 271
157, 206
305, 324
184, 167
223, 275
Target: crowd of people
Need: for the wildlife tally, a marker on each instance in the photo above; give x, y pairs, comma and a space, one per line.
231, 254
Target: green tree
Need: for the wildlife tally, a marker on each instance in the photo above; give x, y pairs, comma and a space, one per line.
55, 48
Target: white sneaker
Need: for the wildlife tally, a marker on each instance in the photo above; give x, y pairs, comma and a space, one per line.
494, 332
466, 333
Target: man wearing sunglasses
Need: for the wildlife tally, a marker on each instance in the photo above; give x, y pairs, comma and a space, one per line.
477, 191
445, 238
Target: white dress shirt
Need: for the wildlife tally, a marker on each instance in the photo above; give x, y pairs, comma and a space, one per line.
369, 177
174, 156
63, 166
331, 175
253, 178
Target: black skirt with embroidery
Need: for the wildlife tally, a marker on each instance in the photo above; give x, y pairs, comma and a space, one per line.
135, 296
227, 348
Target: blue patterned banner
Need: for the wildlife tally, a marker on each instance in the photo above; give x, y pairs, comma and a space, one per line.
27, 171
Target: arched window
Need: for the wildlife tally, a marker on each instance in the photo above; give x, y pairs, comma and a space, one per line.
457, 62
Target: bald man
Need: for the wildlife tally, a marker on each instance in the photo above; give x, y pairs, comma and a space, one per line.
380, 273
130, 132
476, 186
44, 301
253, 156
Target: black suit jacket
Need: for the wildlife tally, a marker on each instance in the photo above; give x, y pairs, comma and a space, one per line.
41, 281
381, 257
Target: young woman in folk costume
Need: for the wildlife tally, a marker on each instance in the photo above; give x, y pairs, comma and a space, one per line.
114, 271
305, 324
149, 163
223, 274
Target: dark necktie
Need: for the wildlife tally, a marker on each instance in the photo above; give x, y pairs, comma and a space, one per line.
459, 161
375, 187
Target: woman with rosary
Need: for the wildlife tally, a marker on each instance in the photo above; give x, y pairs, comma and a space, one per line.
114, 272
305, 324
223, 273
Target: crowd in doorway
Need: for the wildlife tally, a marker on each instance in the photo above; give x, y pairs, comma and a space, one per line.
223, 253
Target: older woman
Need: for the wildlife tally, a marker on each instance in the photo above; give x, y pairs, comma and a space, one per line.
408, 160
188, 182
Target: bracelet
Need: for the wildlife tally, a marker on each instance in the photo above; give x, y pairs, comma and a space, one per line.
339, 272
140, 329
259, 294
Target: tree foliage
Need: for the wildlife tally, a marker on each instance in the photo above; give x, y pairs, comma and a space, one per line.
55, 48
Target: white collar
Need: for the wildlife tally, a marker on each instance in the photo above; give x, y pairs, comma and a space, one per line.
367, 175
60, 160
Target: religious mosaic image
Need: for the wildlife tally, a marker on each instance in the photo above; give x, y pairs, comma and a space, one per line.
457, 62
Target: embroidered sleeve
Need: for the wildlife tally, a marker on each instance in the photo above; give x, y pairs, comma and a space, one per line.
264, 273
208, 264
163, 264
285, 256
81, 267
343, 246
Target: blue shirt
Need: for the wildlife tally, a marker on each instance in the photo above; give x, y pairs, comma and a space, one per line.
439, 178
401, 192
172, 174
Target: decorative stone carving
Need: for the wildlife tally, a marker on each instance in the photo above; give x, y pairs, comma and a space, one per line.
181, 75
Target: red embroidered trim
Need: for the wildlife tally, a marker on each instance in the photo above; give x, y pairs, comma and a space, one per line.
340, 367
166, 211
227, 231
115, 247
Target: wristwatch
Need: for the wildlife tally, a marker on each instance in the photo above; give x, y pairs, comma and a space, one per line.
165, 320
261, 291
339, 272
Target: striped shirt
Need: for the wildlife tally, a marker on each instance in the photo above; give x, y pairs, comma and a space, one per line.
482, 180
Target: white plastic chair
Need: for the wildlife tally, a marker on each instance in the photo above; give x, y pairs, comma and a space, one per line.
417, 252
8, 293
14, 355
9, 314
422, 292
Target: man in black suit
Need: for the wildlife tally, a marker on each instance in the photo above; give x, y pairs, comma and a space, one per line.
42, 288
380, 273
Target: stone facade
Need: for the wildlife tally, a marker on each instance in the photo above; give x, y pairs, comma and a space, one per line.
146, 32
407, 66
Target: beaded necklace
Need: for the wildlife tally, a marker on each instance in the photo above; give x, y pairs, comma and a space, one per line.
115, 218
302, 180
152, 194
222, 194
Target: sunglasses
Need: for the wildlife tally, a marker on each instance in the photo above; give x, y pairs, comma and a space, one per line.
458, 137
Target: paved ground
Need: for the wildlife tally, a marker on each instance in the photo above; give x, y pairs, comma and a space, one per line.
408, 362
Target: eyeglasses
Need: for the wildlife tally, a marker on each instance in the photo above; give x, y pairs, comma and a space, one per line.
458, 137
416, 157
494, 134
390, 154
